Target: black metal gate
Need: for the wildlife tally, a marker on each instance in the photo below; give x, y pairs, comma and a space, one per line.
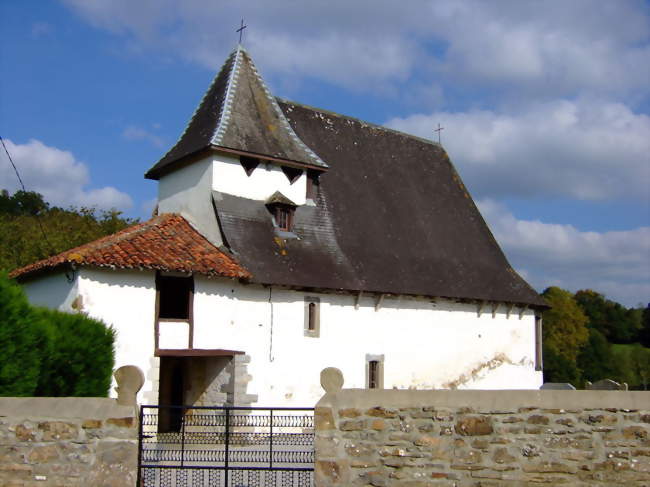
193, 446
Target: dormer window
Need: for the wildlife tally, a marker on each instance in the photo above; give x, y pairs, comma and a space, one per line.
284, 217
282, 209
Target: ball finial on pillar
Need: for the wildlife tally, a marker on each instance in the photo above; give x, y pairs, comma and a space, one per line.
129, 380
331, 379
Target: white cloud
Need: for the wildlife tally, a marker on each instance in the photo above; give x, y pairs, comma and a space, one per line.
578, 149
133, 132
58, 176
556, 48
548, 254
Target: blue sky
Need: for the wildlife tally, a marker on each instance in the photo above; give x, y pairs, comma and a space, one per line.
545, 106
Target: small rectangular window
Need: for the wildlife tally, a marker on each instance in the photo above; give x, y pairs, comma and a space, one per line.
373, 374
175, 297
284, 217
311, 320
375, 371
312, 316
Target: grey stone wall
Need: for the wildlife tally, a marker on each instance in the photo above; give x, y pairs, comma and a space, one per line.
67, 442
482, 438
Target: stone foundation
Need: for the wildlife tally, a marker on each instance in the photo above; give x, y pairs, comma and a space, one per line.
385, 438
67, 442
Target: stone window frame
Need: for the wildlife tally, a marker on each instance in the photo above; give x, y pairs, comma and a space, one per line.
380, 370
314, 331
539, 359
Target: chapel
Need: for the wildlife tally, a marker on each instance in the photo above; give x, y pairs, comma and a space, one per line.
288, 238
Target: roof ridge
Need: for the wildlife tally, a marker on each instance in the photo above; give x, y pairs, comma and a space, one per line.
359, 120
224, 114
199, 105
283, 119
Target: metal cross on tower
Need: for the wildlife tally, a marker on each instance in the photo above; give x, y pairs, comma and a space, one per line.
241, 29
439, 129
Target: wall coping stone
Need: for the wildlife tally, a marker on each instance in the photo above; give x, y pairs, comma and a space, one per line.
64, 408
487, 400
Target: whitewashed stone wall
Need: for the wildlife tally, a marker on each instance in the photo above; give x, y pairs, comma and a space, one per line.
426, 344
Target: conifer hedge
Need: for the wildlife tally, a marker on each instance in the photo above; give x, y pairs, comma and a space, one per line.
50, 353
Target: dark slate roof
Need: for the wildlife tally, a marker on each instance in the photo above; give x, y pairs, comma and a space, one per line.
239, 113
391, 216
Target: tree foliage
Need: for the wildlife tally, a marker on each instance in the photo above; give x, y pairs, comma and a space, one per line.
632, 364
596, 360
644, 332
617, 323
23, 214
588, 338
565, 324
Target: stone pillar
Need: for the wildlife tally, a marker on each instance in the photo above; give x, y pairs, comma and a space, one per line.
331, 469
237, 387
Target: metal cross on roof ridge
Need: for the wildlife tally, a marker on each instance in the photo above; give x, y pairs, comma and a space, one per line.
241, 29
439, 129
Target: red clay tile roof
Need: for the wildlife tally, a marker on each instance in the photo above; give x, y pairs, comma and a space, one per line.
166, 242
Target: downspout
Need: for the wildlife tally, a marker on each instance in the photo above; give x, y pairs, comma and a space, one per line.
271, 323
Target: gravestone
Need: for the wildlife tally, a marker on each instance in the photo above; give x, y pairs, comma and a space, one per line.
557, 386
606, 385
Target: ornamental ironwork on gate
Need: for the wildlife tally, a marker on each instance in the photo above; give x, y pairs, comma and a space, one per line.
196, 446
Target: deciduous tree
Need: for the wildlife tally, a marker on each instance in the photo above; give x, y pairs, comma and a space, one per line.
564, 334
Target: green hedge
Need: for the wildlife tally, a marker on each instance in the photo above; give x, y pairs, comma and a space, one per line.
50, 353
22, 339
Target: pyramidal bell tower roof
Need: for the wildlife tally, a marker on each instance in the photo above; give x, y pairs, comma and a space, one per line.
238, 114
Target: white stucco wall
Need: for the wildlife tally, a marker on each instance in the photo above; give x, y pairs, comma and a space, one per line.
425, 344
188, 190
53, 290
126, 301
229, 177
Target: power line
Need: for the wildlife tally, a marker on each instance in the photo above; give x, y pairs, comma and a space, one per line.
22, 185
